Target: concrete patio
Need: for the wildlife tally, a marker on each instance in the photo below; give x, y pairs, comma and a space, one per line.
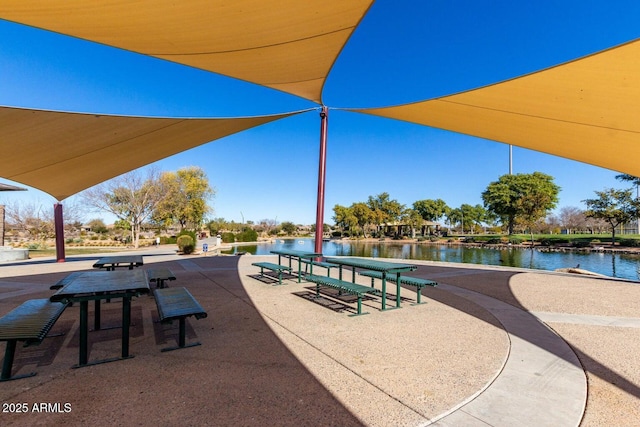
491, 346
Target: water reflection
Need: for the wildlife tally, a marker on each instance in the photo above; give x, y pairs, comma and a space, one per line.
615, 265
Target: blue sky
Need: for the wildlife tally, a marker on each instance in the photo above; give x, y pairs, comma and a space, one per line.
403, 51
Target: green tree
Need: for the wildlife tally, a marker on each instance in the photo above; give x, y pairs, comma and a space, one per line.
455, 216
525, 198
216, 225
344, 218
363, 214
629, 178
431, 210
186, 202
616, 207
413, 219
636, 183
288, 227
472, 216
384, 209
97, 225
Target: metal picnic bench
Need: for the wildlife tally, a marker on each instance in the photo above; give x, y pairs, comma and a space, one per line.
300, 256
324, 264
29, 322
178, 303
343, 286
417, 282
278, 268
387, 269
160, 276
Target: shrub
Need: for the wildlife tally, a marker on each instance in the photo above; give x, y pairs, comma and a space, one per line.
434, 238
494, 241
228, 237
630, 242
337, 234
186, 244
190, 234
516, 240
168, 240
580, 244
248, 235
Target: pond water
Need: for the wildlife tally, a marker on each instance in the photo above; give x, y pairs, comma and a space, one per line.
615, 265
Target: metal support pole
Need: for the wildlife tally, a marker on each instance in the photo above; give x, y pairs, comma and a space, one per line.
322, 170
59, 227
510, 159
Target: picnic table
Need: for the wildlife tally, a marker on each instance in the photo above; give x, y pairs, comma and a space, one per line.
112, 262
384, 267
299, 256
98, 285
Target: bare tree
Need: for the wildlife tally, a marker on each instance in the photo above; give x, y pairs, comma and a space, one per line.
131, 197
31, 218
267, 225
572, 218
37, 219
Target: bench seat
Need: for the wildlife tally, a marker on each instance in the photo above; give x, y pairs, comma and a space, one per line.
29, 322
178, 303
416, 282
324, 264
273, 267
160, 276
343, 286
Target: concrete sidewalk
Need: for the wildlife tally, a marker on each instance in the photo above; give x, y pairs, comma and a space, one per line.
492, 346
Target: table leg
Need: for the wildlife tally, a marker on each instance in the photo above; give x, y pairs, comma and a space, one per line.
398, 291
299, 270
9, 355
84, 329
96, 316
126, 321
384, 291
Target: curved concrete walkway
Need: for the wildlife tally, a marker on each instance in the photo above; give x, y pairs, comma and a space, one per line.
542, 382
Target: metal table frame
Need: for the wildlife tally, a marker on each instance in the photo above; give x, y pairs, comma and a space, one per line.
113, 262
299, 255
98, 285
385, 267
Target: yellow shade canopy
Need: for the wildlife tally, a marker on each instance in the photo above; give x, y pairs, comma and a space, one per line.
585, 110
289, 45
64, 153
